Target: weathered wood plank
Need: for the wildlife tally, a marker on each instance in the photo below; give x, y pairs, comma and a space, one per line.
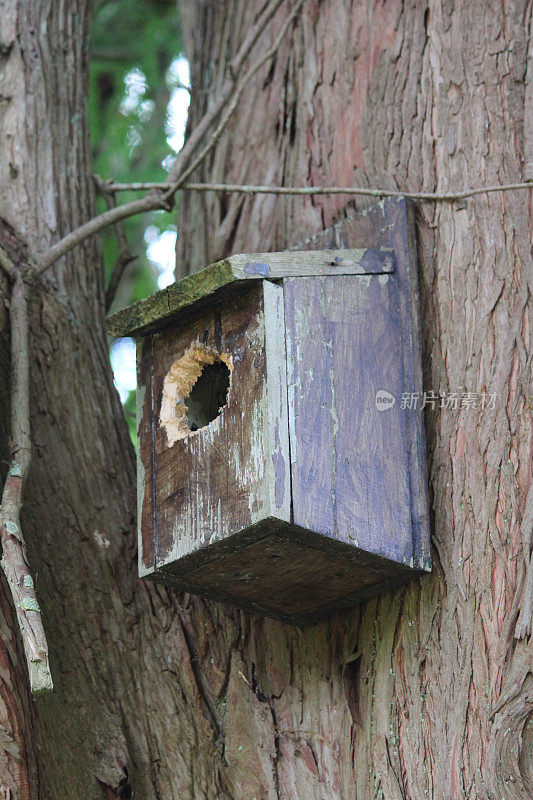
289, 577
145, 477
285, 572
168, 305
349, 463
300, 497
233, 473
276, 417
391, 224
288, 264
400, 227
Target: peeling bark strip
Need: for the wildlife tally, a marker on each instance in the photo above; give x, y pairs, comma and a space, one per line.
14, 559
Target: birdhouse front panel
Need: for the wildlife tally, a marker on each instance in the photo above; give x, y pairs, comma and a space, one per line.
217, 464
279, 469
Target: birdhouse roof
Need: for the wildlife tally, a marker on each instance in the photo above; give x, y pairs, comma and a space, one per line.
218, 280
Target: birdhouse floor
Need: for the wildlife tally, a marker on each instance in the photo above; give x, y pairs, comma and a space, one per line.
285, 572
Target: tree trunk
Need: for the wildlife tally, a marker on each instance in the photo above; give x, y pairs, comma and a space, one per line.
416, 97
426, 692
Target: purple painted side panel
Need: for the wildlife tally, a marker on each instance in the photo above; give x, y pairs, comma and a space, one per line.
391, 223
349, 455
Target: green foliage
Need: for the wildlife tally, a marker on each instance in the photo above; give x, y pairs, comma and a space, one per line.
133, 43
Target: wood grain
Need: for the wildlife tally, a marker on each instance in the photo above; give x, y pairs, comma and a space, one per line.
293, 579
145, 459
285, 572
234, 472
349, 459
302, 471
276, 413
215, 281
391, 224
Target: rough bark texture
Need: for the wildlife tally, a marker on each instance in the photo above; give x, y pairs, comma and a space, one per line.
414, 96
422, 693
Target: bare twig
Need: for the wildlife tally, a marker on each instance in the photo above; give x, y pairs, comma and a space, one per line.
316, 190
228, 87
232, 105
111, 54
109, 217
227, 100
116, 276
14, 560
125, 256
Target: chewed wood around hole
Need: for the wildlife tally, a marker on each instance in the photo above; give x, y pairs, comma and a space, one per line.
195, 390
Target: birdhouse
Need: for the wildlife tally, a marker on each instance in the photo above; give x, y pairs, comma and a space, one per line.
280, 454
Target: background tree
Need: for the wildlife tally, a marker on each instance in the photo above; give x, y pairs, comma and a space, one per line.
133, 45
427, 692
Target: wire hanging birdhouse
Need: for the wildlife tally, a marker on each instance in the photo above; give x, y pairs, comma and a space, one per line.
278, 468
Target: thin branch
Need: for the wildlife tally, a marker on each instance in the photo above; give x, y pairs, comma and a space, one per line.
14, 560
116, 276
227, 89
316, 190
111, 54
227, 100
232, 105
125, 256
109, 217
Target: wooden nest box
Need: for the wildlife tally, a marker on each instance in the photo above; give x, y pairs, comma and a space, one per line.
281, 463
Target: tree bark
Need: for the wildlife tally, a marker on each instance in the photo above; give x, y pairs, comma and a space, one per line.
426, 692
427, 97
